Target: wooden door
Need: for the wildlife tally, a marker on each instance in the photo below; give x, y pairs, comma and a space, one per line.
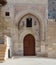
29, 45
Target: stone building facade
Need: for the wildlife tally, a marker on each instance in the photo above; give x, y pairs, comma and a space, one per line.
18, 14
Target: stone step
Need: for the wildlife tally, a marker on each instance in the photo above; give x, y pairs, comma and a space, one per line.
2, 46
2, 54
2, 51
1, 60
1, 57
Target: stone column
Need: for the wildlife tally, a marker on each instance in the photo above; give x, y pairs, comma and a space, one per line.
43, 48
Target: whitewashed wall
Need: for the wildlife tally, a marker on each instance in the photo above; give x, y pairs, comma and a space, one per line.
8, 43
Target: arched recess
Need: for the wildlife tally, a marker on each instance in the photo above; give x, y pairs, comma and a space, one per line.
35, 14
28, 14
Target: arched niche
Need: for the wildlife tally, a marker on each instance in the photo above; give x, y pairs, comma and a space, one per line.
38, 16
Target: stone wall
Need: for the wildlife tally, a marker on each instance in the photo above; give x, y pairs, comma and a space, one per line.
16, 12
51, 39
48, 45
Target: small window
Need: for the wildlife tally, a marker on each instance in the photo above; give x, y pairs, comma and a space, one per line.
29, 22
7, 13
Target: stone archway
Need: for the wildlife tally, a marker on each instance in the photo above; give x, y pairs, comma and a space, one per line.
36, 14
25, 31
29, 45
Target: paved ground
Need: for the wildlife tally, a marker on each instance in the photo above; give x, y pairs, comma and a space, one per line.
29, 61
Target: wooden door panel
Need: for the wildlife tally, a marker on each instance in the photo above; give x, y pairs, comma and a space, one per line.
29, 45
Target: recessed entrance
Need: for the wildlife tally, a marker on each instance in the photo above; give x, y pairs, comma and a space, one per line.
29, 45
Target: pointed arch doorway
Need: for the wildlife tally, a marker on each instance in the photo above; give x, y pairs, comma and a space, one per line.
29, 45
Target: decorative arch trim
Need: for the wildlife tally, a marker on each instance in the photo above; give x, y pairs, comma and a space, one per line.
26, 15
35, 14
